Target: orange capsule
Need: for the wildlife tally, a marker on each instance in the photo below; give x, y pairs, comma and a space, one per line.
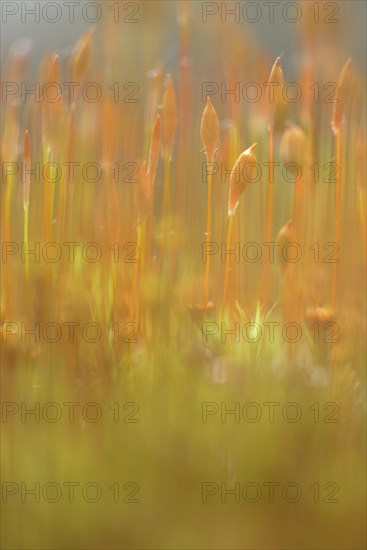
154, 151
154, 77
209, 130
242, 174
80, 58
342, 96
275, 85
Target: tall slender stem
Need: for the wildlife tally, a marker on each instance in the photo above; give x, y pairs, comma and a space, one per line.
166, 192
26, 245
297, 206
142, 258
337, 209
6, 238
47, 201
134, 312
269, 217
207, 238
226, 274
362, 220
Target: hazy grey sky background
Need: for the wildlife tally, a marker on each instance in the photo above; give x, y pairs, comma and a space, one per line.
276, 38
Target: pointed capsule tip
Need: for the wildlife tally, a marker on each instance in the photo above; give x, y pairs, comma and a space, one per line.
27, 144
157, 123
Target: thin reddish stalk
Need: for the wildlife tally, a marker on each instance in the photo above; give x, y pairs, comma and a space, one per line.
227, 266
208, 233
269, 218
337, 210
166, 191
26, 194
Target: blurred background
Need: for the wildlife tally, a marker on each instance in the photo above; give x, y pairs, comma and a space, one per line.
279, 37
